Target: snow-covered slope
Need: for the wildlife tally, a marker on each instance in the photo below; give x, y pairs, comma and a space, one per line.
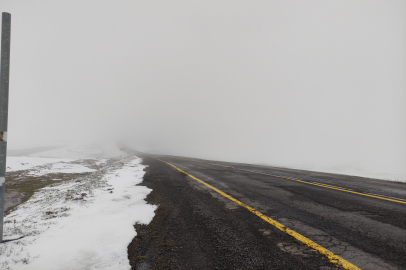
84, 223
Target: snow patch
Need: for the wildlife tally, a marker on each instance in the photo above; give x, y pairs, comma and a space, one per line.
101, 162
25, 163
61, 168
85, 223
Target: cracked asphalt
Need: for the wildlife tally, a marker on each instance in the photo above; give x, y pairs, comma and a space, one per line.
197, 228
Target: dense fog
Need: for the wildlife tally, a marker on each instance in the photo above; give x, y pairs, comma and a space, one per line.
313, 84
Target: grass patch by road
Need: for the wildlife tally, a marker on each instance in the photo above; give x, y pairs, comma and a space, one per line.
20, 186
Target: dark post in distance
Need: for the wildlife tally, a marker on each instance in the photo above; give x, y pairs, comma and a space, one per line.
4, 83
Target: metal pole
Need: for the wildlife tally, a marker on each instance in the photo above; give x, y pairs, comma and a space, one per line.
4, 83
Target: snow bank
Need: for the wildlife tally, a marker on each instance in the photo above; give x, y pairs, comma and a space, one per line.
86, 223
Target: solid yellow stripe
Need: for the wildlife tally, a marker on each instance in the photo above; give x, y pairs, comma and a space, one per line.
331, 187
377, 196
331, 256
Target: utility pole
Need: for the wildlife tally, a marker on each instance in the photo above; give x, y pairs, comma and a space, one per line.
4, 83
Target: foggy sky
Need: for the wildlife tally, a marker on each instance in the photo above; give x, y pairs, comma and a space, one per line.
308, 84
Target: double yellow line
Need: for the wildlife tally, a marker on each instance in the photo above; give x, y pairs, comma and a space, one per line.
331, 256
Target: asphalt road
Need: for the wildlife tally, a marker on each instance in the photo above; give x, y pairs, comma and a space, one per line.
362, 221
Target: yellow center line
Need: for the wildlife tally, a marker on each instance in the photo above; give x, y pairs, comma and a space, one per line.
398, 200
215, 164
377, 196
330, 255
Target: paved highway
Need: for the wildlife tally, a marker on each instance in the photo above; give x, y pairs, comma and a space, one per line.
218, 215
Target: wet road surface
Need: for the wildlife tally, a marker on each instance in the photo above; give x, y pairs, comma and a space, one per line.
363, 221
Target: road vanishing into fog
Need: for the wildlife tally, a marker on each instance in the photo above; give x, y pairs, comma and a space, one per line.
218, 215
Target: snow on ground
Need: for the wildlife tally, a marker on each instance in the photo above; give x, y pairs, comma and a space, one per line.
83, 223
60, 167
101, 161
25, 163
56, 160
